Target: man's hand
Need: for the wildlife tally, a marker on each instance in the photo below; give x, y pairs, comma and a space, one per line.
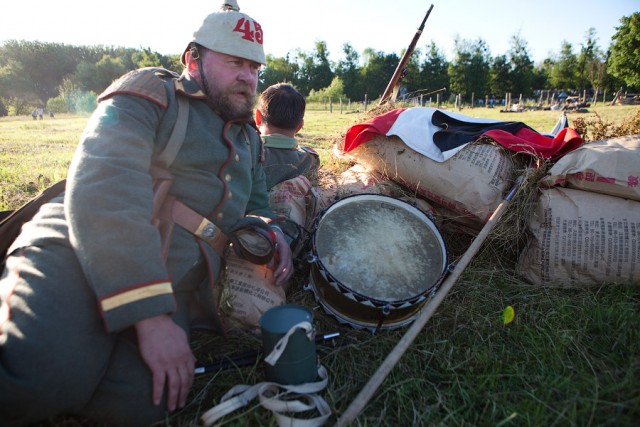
284, 267
165, 349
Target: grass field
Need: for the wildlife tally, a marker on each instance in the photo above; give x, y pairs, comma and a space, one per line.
570, 357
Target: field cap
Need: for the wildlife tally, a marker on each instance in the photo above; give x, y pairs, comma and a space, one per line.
231, 32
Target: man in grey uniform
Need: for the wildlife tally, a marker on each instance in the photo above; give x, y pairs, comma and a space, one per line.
94, 321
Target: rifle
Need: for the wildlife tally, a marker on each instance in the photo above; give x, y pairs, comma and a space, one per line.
398, 75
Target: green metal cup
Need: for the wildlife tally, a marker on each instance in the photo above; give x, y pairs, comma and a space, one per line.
298, 363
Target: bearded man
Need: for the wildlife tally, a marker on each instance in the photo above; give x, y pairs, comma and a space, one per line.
95, 312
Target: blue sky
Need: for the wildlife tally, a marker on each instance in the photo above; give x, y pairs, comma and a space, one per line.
384, 25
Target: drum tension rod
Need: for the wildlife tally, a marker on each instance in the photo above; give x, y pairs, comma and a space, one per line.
386, 310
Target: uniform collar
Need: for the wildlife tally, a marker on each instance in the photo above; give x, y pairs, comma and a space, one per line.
279, 141
188, 86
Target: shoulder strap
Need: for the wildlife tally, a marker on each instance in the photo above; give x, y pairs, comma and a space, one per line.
168, 155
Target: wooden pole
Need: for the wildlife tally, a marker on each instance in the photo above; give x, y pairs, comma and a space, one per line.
392, 358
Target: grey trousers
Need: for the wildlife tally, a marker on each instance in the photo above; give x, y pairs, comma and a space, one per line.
55, 356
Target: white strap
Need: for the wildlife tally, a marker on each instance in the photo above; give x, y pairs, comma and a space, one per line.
271, 397
281, 345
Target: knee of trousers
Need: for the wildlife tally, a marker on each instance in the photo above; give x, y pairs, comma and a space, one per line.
53, 347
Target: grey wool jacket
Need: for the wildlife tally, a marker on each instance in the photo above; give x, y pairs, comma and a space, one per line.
106, 210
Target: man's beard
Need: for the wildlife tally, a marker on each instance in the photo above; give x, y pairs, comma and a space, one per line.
232, 109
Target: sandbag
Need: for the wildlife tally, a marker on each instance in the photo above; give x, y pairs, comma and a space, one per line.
610, 166
248, 290
355, 180
471, 183
579, 238
291, 198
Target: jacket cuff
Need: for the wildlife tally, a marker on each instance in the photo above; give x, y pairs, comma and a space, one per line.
122, 309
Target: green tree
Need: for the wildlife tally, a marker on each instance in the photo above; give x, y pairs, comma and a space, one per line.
411, 81
315, 69
541, 75
376, 72
277, 70
469, 71
16, 88
592, 66
36, 68
57, 105
563, 72
499, 76
68, 90
146, 58
333, 92
173, 63
624, 60
588, 60
348, 69
521, 67
96, 77
433, 72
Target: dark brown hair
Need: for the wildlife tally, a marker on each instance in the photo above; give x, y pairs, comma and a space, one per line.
282, 106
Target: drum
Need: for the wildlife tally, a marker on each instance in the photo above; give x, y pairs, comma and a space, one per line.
375, 261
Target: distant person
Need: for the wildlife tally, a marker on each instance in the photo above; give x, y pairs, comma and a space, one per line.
34, 114
40, 112
279, 117
94, 320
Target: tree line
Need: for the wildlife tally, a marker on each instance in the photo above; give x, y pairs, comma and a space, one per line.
64, 78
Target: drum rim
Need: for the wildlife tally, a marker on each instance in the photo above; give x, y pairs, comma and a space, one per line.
358, 324
411, 299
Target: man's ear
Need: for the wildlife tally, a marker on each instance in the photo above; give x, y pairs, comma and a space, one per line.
192, 66
258, 118
300, 126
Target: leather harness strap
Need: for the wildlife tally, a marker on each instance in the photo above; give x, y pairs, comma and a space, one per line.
198, 225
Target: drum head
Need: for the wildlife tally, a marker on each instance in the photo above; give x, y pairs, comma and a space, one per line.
379, 248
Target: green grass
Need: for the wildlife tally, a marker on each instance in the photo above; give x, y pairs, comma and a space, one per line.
571, 357
35, 154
